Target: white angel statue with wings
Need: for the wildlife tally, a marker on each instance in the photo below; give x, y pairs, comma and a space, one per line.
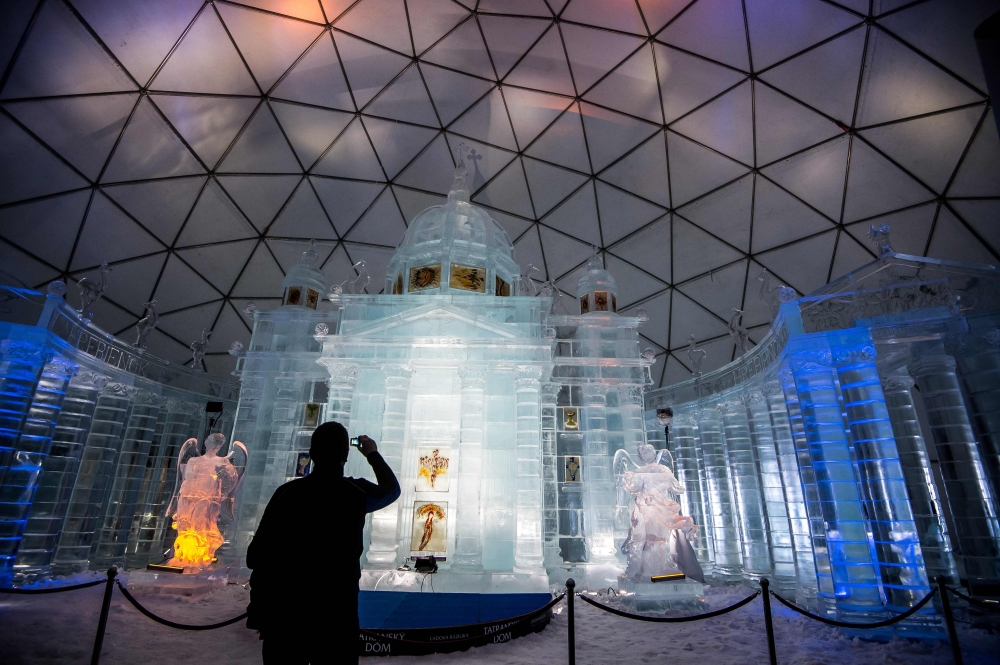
659, 537
206, 487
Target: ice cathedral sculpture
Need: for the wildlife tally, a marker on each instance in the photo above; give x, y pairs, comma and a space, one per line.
206, 484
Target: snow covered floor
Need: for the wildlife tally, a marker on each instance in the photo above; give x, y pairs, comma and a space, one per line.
59, 628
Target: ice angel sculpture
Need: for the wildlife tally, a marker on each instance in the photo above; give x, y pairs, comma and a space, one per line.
206, 487
659, 537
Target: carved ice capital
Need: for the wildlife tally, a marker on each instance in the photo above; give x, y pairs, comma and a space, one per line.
13, 349
897, 383
527, 375
343, 373
124, 391
90, 381
473, 377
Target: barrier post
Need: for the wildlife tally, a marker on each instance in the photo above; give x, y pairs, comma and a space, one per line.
949, 620
768, 623
570, 597
102, 623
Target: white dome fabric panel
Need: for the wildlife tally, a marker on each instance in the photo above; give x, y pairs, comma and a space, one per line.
195, 146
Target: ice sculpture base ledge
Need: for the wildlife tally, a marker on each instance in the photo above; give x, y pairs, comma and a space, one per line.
686, 594
447, 581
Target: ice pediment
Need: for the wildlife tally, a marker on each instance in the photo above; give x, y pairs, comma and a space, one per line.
435, 321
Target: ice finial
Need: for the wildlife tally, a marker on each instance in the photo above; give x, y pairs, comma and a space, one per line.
310, 256
879, 235
460, 188
595, 262
57, 288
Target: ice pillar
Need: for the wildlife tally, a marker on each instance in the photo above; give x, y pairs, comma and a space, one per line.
979, 368
550, 475
685, 450
633, 434
598, 484
973, 507
935, 541
752, 522
468, 522
340, 392
528, 545
762, 435
725, 531
384, 548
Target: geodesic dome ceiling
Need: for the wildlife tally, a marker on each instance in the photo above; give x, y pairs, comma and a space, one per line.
195, 146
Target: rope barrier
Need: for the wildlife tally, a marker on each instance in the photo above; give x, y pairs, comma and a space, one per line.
695, 617
845, 624
54, 589
174, 624
991, 607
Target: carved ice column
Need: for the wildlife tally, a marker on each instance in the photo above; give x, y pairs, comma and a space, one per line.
468, 520
528, 505
550, 476
599, 491
725, 530
384, 548
684, 433
633, 435
973, 507
979, 369
752, 522
340, 396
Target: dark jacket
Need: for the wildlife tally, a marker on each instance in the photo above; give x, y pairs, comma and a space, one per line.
306, 550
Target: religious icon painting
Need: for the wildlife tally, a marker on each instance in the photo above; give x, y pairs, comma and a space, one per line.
293, 295
614, 303
600, 301
312, 298
397, 286
467, 278
303, 465
430, 528
571, 418
585, 303
432, 468
572, 469
502, 287
310, 414
424, 277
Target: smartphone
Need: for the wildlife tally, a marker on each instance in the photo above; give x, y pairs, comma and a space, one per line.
355, 442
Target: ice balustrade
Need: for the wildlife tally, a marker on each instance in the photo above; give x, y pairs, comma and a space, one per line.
843, 463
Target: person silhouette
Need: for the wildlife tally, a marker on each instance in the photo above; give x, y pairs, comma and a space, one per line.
315, 524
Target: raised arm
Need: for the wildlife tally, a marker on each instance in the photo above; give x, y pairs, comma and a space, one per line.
387, 490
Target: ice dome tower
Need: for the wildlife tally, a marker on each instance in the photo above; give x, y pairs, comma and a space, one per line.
597, 290
455, 247
305, 284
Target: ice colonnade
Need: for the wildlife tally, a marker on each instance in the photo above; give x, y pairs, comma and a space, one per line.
853, 455
90, 430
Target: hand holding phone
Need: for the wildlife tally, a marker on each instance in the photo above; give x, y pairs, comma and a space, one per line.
366, 445
355, 442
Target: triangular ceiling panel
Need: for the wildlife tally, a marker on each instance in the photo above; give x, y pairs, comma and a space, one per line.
982, 217
815, 176
544, 67
160, 205
578, 216
673, 370
433, 170
345, 200
28, 169
130, 283
302, 217
615, 14
208, 124
711, 28
430, 20
260, 196
261, 278
205, 61
339, 269
524, 7
215, 218
610, 134
59, 57
528, 253
369, 67
508, 191
697, 252
563, 143
720, 352
785, 126
109, 235
310, 130
899, 83
405, 99
383, 224
695, 170
631, 88
229, 328
190, 322
686, 81
463, 49
334, 9
220, 264
719, 291
779, 29
850, 255
509, 38
649, 249
531, 112
725, 213
803, 276
513, 226
483, 161
549, 185
562, 253
487, 121
181, 287
451, 92
644, 171
308, 10
979, 174
379, 21
593, 53
261, 148
47, 227
826, 77
657, 328
30, 271
687, 318
317, 78
81, 129
412, 202
781, 218
953, 241
875, 186
397, 143
635, 285
724, 124
269, 43
657, 13
149, 148
351, 156
290, 253
910, 229
622, 213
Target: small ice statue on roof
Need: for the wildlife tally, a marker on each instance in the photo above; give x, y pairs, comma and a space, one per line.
146, 324
879, 235
198, 348
696, 356
91, 292
740, 335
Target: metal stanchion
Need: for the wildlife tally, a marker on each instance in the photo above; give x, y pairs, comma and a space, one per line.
949, 620
570, 597
768, 622
103, 622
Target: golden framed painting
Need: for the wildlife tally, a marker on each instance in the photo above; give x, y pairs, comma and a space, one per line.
585, 303
571, 418
293, 295
397, 286
430, 528
614, 303
467, 278
310, 414
303, 464
502, 287
423, 278
312, 298
432, 468
600, 301
571, 469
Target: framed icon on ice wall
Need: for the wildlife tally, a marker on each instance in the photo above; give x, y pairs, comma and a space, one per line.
293, 295
600, 301
312, 298
397, 286
310, 414
585, 303
571, 418
571, 469
424, 277
467, 278
303, 465
432, 469
430, 528
502, 287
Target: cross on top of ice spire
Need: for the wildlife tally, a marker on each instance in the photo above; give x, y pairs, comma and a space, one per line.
460, 188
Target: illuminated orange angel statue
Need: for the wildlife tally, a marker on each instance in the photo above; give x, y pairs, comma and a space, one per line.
207, 484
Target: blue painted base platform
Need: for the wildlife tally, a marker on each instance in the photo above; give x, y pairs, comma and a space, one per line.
394, 610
